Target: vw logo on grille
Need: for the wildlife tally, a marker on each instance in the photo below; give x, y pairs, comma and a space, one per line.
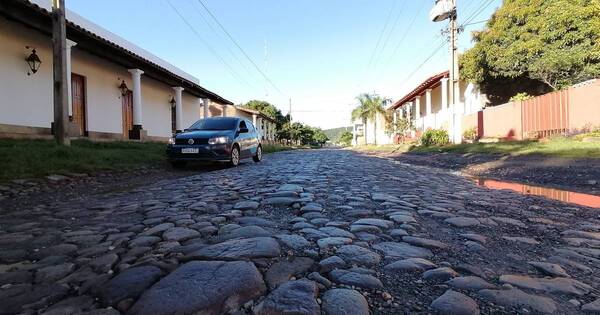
191, 141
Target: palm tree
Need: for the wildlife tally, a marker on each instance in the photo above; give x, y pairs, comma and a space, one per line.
369, 107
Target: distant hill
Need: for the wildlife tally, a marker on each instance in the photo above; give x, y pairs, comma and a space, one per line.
334, 134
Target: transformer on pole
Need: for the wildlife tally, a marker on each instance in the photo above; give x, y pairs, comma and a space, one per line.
444, 10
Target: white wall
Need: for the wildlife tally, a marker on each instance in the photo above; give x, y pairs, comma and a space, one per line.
104, 109
192, 111
156, 109
27, 100
378, 133
24, 100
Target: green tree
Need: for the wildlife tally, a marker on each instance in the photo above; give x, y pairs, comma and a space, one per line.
398, 127
319, 137
346, 138
269, 110
556, 42
369, 107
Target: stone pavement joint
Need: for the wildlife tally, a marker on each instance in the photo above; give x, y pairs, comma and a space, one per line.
303, 232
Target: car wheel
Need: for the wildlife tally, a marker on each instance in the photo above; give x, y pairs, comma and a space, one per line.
178, 164
258, 156
235, 156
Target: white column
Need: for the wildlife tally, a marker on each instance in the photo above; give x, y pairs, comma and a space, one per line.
70, 44
418, 107
444, 92
178, 108
206, 103
254, 121
224, 110
136, 78
428, 102
408, 110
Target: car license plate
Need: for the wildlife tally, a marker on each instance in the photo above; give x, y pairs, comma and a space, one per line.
190, 150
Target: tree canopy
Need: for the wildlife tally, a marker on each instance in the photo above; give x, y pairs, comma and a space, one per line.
346, 138
302, 134
556, 42
369, 106
268, 109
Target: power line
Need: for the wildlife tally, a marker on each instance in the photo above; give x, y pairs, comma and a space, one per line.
390, 33
387, 21
404, 35
475, 23
218, 35
424, 62
412, 22
240, 48
478, 11
233, 73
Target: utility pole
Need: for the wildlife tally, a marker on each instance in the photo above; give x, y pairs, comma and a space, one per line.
290, 111
453, 57
443, 10
59, 47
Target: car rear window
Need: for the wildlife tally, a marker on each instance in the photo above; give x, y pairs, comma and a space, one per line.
215, 124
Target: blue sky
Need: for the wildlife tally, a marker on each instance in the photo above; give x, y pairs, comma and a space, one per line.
319, 53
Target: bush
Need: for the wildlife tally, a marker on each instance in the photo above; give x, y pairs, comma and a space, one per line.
435, 137
470, 134
346, 138
521, 97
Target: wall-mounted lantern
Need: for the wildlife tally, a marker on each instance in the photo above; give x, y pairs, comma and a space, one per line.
123, 87
172, 102
33, 61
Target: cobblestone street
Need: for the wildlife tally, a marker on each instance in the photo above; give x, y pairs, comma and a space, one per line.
303, 232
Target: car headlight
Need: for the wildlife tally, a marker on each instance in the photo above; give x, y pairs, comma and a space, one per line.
171, 141
218, 140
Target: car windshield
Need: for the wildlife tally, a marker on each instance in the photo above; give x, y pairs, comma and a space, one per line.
215, 124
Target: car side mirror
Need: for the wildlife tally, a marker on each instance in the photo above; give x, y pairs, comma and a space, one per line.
243, 130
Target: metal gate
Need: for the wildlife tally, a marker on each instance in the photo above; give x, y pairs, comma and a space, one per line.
545, 115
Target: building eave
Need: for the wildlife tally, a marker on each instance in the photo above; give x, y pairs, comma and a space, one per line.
255, 112
430, 83
39, 19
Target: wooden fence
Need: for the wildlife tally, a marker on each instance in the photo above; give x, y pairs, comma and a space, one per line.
545, 115
573, 110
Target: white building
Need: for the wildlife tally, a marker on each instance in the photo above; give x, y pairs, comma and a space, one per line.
264, 124
428, 106
372, 133
118, 90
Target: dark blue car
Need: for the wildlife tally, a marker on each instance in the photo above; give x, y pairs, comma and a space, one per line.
222, 139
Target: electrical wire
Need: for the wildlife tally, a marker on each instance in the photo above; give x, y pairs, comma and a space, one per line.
387, 21
389, 35
478, 11
233, 73
201, 14
240, 48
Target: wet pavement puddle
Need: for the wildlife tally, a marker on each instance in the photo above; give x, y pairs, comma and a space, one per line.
550, 193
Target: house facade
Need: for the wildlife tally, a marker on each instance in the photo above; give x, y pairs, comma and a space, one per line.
265, 125
428, 106
117, 90
371, 132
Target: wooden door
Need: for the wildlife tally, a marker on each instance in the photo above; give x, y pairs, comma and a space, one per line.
78, 99
127, 114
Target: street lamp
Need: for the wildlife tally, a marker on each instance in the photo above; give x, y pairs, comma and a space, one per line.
123, 87
33, 61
